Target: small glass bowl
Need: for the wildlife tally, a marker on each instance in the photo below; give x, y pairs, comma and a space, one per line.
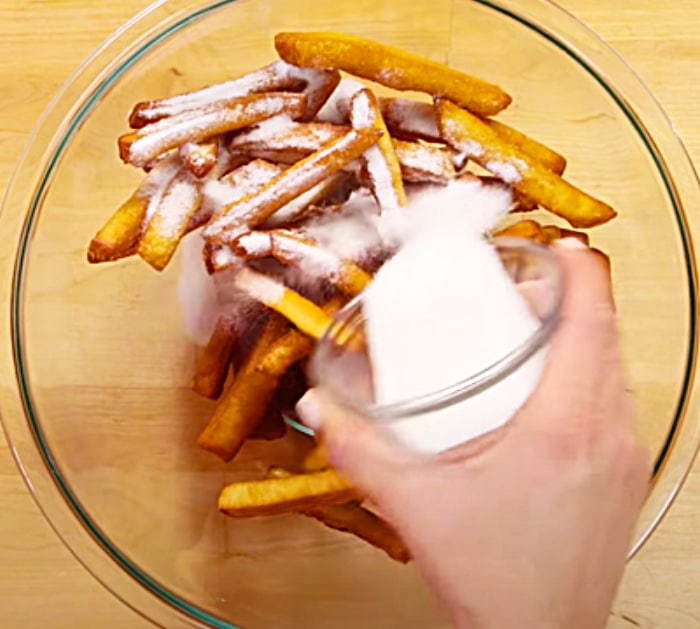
482, 400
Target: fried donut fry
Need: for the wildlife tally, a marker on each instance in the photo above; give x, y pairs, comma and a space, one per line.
291, 248
200, 157
275, 496
214, 362
527, 228
142, 146
119, 236
380, 160
316, 460
283, 140
251, 211
391, 67
301, 312
170, 220
245, 402
355, 519
466, 132
424, 163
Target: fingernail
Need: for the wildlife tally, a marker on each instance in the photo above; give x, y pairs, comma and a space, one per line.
572, 244
309, 411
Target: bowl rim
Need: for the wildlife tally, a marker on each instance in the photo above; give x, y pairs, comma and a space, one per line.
82, 91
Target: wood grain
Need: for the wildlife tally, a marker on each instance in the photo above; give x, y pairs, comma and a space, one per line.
41, 584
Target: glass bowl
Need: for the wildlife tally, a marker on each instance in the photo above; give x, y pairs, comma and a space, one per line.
95, 366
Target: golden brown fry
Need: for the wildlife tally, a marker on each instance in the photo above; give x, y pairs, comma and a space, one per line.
245, 402
550, 233
289, 349
303, 313
521, 203
200, 157
119, 236
391, 67
251, 211
316, 460
170, 220
288, 143
213, 363
145, 144
274, 496
320, 84
380, 160
291, 248
353, 518
423, 163
270, 427
292, 347
528, 229
549, 158
466, 132
409, 119
337, 186
271, 78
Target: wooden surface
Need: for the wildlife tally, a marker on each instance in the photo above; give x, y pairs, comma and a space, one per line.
41, 584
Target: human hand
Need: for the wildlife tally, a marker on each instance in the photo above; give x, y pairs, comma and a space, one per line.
528, 526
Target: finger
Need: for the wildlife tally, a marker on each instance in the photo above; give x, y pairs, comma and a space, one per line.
370, 459
583, 363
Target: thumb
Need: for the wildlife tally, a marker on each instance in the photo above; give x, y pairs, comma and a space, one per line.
370, 459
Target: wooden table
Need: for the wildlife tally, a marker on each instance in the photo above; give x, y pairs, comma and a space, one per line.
41, 43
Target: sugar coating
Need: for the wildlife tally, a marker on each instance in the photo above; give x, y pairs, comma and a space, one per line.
364, 116
264, 79
337, 108
314, 261
442, 309
259, 286
154, 138
255, 243
413, 117
510, 171
179, 202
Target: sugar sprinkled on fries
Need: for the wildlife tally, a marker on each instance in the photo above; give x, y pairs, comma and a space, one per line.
271, 167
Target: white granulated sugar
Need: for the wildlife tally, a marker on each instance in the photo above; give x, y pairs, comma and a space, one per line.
381, 179
507, 171
261, 80
154, 138
223, 258
443, 309
466, 205
255, 243
314, 261
180, 201
415, 117
196, 291
259, 286
156, 184
217, 194
426, 159
336, 109
363, 116
264, 130
294, 209
352, 233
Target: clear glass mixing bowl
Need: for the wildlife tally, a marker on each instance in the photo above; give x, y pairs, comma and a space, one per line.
95, 367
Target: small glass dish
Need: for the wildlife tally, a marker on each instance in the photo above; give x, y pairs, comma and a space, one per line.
481, 401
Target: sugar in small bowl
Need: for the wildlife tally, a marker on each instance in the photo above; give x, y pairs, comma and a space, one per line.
440, 358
